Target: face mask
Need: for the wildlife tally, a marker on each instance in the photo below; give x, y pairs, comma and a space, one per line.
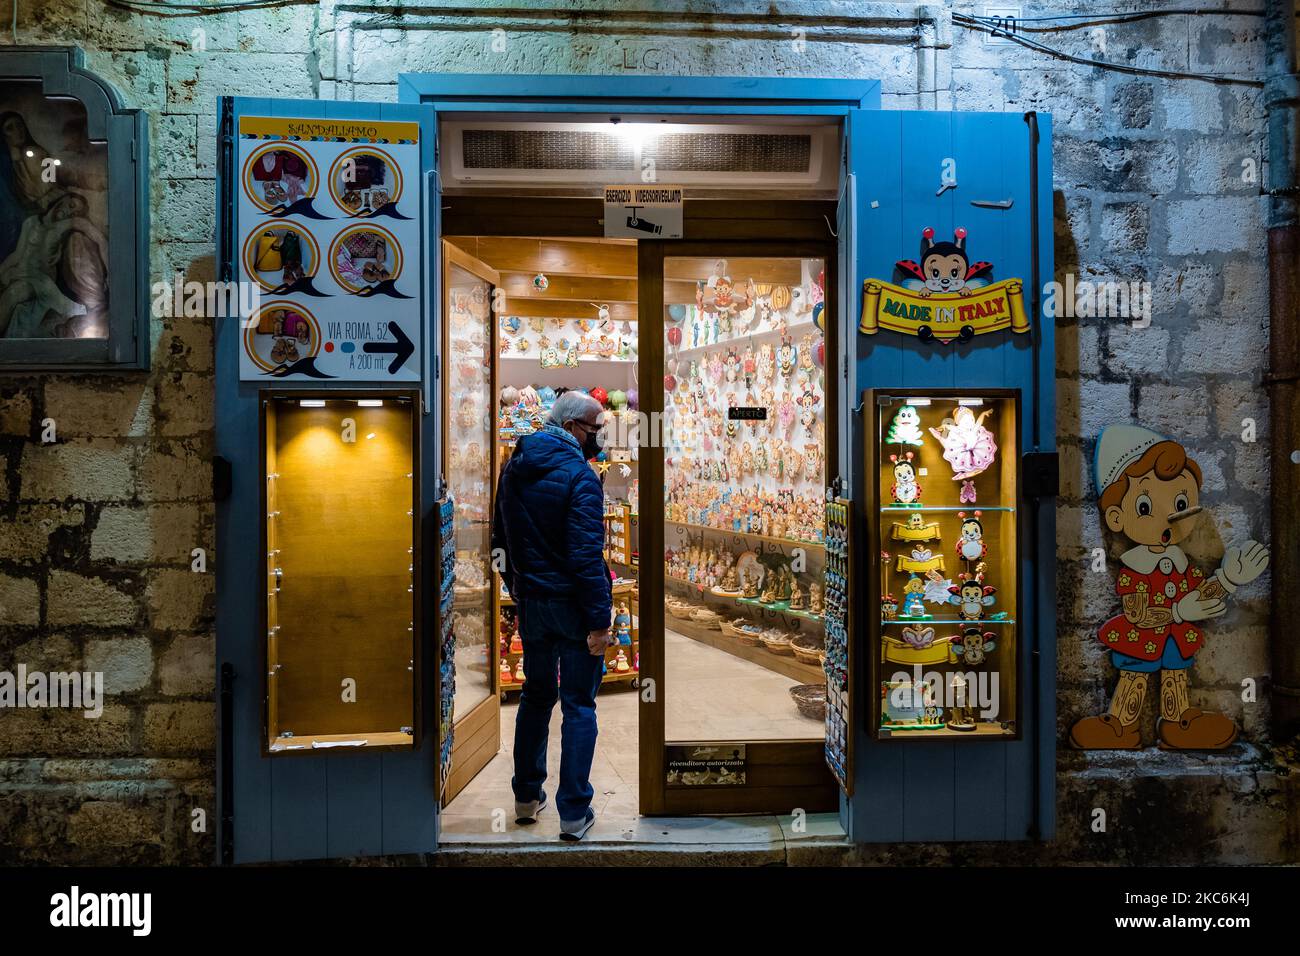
591, 445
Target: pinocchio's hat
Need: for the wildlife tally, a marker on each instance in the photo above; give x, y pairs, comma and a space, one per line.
1118, 447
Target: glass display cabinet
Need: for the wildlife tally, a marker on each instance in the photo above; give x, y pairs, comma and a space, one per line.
341, 539
944, 645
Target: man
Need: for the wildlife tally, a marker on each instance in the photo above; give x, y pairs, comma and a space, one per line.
549, 524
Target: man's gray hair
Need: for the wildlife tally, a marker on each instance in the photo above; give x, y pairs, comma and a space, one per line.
573, 407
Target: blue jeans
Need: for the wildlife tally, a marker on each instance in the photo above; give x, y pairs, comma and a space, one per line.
554, 637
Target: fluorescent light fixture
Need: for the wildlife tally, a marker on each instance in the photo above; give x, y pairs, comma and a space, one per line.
370, 402
312, 402
971, 402
371, 435
918, 401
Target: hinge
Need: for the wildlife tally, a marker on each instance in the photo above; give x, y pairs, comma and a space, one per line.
1040, 472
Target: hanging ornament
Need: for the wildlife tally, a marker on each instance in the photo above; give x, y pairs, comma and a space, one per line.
670, 383
674, 336
602, 314
540, 282
600, 395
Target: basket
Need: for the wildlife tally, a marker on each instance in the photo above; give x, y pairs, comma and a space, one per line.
778, 642
752, 638
706, 618
810, 699
680, 610
807, 649
738, 628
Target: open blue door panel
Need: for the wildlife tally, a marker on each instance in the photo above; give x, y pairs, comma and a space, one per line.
953, 234
328, 717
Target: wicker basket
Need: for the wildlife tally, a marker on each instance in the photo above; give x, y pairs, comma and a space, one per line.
778, 642
752, 638
810, 699
680, 610
807, 649
706, 618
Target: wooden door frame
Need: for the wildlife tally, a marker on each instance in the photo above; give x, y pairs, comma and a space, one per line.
477, 734
804, 757
781, 227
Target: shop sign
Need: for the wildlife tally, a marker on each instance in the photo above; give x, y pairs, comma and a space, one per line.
328, 226
706, 765
944, 297
643, 212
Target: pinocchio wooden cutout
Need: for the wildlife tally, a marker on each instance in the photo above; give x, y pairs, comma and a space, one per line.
1150, 491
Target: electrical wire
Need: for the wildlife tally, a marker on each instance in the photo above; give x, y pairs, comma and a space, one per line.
1121, 17
182, 9
977, 24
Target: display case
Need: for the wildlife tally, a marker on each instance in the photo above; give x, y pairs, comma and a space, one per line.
944, 640
341, 613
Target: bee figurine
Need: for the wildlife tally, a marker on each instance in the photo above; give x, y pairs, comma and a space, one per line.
973, 645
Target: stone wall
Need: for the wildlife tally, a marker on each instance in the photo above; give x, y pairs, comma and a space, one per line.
96, 529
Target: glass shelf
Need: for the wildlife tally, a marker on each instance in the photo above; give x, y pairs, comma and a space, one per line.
909, 509
945, 620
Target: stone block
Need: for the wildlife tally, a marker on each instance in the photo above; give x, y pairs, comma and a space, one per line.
76, 599
126, 663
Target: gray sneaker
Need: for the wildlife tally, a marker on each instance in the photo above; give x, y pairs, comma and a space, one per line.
574, 830
526, 813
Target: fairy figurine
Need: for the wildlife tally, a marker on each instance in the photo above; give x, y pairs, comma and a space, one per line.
967, 445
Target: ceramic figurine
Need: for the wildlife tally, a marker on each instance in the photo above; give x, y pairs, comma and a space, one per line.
816, 603
968, 446
888, 607
621, 665
798, 597
905, 490
506, 677
913, 603
1150, 494
970, 543
905, 429
973, 645
916, 529
918, 637
967, 494
960, 715
971, 596
787, 357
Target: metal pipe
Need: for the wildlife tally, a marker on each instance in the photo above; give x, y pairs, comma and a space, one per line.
1035, 654
1282, 100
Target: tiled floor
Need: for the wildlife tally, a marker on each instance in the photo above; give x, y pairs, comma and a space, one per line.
709, 695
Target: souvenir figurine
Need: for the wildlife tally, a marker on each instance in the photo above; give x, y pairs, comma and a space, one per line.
918, 637
732, 365
960, 714
1150, 493
913, 603
519, 671
812, 459
971, 596
808, 400
765, 363
967, 494
798, 597
621, 665
916, 529
787, 356
970, 542
714, 367
973, 645
968, 446
806, 353
905, 429
888, 607
905, 490
750, 584
623, 623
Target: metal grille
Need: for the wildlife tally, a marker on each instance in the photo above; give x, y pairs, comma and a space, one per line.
730, 152
545, 149
672, 152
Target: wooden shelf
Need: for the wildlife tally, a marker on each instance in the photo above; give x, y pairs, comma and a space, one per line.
796, 331
741, 601
785, 665
788, 542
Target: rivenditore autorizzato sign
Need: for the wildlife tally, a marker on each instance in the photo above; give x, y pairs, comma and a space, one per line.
945, 297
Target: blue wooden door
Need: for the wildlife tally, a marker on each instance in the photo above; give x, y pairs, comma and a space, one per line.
333, 804
901, 162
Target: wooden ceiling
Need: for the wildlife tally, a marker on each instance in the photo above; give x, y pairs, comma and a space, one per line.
601, 271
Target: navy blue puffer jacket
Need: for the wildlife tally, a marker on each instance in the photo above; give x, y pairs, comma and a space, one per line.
550, 522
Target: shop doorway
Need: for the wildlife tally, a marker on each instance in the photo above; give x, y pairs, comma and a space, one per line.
706, 709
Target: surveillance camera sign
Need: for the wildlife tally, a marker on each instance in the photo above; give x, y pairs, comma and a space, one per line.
643, 212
